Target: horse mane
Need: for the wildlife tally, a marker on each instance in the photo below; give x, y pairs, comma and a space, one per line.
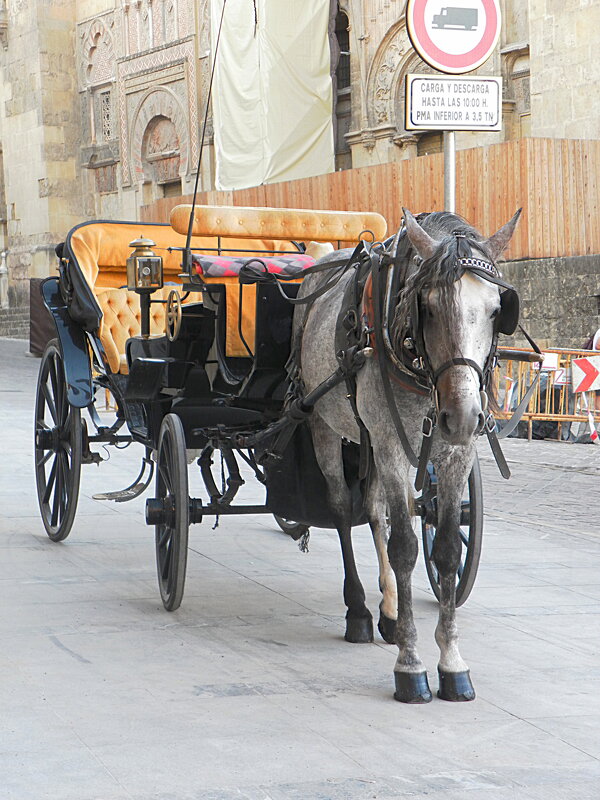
440, 272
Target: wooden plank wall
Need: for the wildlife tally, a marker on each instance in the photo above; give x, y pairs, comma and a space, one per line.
556, 181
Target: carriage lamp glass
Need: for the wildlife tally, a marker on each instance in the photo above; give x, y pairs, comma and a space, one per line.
144, 268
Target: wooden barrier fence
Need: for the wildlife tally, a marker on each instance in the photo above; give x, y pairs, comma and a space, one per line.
556, 181
553, 400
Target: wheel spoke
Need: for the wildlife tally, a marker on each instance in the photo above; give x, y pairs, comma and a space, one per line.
166, 478
66, 477
460, 570
164, 537
166, 567
464, 538
57, 494
44, 459
62, 406
50, 402
50, 484
54, 381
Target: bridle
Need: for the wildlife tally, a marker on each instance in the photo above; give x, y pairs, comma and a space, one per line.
505, 322
411, 356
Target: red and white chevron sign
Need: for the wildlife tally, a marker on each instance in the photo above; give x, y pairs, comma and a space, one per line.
586, 374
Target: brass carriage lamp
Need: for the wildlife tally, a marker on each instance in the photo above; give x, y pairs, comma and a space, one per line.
144, 276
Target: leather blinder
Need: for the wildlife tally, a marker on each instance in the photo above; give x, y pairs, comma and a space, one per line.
509, 312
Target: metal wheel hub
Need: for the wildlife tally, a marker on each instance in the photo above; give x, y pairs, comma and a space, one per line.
49, 439
160, 511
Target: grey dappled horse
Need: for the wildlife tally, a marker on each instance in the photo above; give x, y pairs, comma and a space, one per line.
458, 311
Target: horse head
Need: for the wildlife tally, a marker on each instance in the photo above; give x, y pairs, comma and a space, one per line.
454, 308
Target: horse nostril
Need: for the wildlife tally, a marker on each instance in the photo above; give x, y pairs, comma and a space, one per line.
480, 422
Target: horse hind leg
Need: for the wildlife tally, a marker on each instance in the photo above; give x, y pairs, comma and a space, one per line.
328, 450
376, 509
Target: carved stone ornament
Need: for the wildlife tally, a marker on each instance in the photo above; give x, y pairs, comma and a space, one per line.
383, 75
97, 63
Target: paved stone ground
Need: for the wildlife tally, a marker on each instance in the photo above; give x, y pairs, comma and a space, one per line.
248, 691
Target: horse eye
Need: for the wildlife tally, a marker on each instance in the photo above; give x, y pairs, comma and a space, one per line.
495, 312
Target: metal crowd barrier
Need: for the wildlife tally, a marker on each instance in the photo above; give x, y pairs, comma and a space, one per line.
554, 399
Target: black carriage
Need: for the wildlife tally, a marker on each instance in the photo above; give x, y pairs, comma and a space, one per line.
194, 352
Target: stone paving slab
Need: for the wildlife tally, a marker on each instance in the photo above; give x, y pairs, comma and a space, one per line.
248, 691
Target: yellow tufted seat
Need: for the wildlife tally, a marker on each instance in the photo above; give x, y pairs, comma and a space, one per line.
121, 321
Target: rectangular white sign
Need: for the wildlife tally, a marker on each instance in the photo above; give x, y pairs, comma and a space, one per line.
449, 103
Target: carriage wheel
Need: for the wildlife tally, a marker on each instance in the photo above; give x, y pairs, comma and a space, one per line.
471, 534
171, 535
58, 445
294, 529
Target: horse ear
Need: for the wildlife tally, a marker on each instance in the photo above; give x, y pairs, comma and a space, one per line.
420, 239
499, 241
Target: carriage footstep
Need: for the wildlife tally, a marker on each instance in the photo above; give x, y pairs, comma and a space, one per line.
456, 686
130, 492
122, 495
412, 687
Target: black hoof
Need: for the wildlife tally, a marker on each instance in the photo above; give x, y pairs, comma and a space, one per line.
412, 687
359, 630
387, 628
455, 686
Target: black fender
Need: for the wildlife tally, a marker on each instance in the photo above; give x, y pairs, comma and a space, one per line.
73, 344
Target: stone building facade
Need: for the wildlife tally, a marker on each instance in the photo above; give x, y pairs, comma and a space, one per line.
102, 101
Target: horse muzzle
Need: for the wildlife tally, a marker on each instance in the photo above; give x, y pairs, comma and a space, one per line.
460, 422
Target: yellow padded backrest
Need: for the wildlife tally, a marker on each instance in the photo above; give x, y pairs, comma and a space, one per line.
278, 223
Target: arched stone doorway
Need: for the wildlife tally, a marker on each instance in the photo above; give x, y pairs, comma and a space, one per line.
161, 159
159, 145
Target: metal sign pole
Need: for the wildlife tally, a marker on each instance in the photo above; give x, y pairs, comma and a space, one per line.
454, 40
449, 171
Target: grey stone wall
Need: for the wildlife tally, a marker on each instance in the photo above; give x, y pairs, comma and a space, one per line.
560, 298
14, 322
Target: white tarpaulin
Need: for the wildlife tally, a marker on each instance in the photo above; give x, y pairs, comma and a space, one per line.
272, 94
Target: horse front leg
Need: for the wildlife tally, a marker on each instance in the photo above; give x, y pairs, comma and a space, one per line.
409, 672
328, 449
454, 676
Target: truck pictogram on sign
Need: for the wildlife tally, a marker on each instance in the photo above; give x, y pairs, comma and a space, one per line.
456, 18
455, 38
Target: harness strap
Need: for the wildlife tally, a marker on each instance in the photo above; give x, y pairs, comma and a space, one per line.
497, 450
365, 439
467, 362
521, 408
376, 266
429, 423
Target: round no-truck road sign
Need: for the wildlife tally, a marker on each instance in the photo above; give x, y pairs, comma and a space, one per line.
453, 38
